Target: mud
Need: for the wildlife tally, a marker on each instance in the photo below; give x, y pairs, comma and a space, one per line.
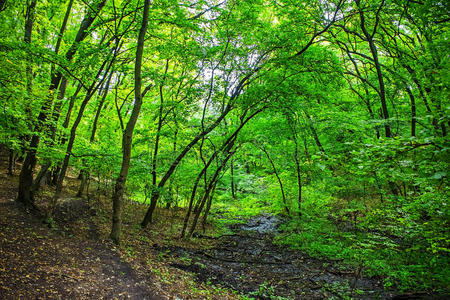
248, 261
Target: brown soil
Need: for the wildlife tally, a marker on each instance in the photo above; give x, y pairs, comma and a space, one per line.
37, 262
74, 259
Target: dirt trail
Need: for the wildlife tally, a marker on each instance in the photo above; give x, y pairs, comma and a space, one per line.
247, 261
37, 262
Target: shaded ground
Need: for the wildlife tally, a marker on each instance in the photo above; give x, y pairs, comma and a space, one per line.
248, 261
74, 258
37, 262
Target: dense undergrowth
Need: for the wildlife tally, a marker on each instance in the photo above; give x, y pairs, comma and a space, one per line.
389, 239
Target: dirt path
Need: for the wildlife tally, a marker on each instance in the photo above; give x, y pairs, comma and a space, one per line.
37, 262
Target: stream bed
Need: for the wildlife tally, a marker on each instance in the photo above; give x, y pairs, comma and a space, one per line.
248, 261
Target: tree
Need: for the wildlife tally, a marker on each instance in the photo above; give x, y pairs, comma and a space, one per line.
25, 194
128, 133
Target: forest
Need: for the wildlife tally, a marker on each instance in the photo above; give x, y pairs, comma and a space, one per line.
209, 149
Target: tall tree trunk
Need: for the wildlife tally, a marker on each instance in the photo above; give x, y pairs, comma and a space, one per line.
158, 131
63, 84
155, 196
63, 27
66, 122
226, 146
314, 133
172, 180
283, 195
25, 192
84, 174
54, 123
423, 95
100, 107
299, 179
162, 182
365, 99
293, 127
374, 52
90, 92
194, 190
208, 190
29, 21
233, 186
208, 207
127, 137
43, 172
413, 111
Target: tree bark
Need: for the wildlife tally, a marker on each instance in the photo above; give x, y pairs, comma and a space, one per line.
283, 195
99, 108
365, 99
194, 189
90, 92
314, 133
299, 176
155, 196
374, 52
226, 146
208, 207
63, 84
44, 171
233, 187
127, 137
63, 26
29, 21
71, 104
84, 174
158, 130
25, 192
208, 191
413, 111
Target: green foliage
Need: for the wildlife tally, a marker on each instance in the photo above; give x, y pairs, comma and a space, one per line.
342, 289
266, 291
293, 91
411, 254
